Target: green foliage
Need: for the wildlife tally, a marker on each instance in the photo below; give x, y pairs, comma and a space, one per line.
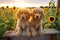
50, 12
58, 21
7, 21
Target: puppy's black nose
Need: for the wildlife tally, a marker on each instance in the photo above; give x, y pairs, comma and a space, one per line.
37, 17
22, 17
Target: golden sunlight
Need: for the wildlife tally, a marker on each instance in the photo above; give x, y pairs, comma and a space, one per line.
22, 5
25, 5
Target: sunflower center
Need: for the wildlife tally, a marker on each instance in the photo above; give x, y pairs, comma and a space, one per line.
51, 19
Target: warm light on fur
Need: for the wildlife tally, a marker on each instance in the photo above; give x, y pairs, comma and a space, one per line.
29, 21
36, 21
23, 16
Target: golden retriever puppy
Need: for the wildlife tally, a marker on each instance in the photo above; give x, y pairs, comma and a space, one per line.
36, 21
23, 16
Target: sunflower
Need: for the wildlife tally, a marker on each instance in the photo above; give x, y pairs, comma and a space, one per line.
2, 8
14, 8
7, 6
3, 15
45, 11
51, 19
11, 10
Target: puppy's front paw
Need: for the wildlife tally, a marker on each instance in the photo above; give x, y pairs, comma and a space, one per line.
40, 33
18, 33
28, 34
33, 34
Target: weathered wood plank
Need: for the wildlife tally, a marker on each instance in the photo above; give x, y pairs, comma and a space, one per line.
48, 34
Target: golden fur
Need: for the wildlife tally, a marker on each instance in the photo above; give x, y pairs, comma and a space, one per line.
36, 22
23, 16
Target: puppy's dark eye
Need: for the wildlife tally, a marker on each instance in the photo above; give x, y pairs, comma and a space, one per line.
26, 16
39, 13
35, 12
25, 13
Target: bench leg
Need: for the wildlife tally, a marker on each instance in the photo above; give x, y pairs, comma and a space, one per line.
7, 38
54, 37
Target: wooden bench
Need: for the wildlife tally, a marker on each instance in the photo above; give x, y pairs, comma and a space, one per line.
48, 34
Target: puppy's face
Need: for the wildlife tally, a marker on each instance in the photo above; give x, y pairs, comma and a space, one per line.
23, 14
37, 13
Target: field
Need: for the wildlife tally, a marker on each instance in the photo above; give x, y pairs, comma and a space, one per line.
8, 19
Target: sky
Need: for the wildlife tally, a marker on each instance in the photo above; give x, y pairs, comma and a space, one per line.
25, 3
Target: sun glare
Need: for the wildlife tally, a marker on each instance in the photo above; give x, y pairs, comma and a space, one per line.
22, 5
25, 5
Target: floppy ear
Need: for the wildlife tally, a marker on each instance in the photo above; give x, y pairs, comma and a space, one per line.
42, 15
28, 15
32, 14
18, 14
